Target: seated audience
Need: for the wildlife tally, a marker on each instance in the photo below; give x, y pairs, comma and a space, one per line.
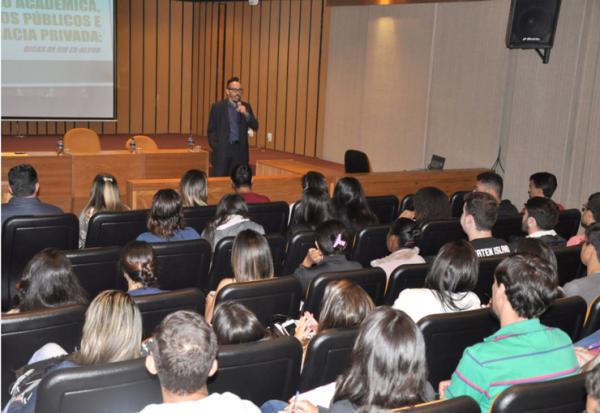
332, 242
138, 265
448, 285
314, 179
230, 219
402, 244
251, 260
543, 184
350, 205
112, 332
590, 214
344, 305
314, 209
588, 287
539, 219
592, 385
522, 350
193, 188
234, 323
430, 204
48, 281
183, 353
388, 369
241, 179
493, 184
480, 212
104, 197
24, 187
165, 220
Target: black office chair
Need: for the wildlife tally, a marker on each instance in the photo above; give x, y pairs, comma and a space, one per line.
456, 203
568, 223
405, 276
385, 207
265, 298
298, 245
199, 217
370, 244
221, 263
25, 236
97, 269
565, 395
485, 279
115, 228
155, 307
508, 227
372, 280
327, 356
273, 216
277, 244
260, 371
182, 264
356, 162
448, 335
592, 322
24, 333
435, 234
462, 404
569, 263
408, 202
568, 314
124, 386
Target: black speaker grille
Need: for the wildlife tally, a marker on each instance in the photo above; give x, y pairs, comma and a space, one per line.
532, 23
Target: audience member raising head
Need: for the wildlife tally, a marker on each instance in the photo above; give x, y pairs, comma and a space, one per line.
165, 219
590, 214
193, 188
103, 197
234, 323
138, 265
449, 284
241, 180
493, 184
539, 219
183, 353
231, 218
588, 287
48, 281
402, 243
430, 204
350, 205
332, 242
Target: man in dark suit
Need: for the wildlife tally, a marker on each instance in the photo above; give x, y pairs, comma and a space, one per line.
228, 125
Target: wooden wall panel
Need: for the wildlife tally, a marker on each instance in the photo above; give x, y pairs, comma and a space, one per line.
292, 76
150, 66
186, 62
136, 66
162, 69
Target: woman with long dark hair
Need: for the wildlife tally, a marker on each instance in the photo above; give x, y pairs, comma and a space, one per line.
350, 205
138, 266
314, 209
430, 203
234, 323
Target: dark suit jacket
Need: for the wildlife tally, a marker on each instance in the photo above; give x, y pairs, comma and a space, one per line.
218, 130
17, 206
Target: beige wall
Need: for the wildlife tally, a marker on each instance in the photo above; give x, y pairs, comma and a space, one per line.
407, 81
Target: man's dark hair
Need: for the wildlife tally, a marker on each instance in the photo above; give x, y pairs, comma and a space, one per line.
530, 283
544, 210
593, 204
22, 179
483, 208
592, 384
493, 180
241, 175
232, 79
592, 235
546, 181
185, 349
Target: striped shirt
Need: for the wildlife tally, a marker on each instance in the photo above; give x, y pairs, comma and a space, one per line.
521, 352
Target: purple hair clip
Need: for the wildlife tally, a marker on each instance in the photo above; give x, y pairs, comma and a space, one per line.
339, 241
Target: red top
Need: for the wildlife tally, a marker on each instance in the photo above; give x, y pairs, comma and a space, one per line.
253, 198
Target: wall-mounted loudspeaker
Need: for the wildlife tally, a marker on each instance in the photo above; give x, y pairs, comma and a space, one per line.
532, 24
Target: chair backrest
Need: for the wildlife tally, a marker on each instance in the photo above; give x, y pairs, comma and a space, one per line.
277, 245
435, 234
293, 211
221, 263
273, 216
82, 140
372, 280
508, 227
485, 279
405, 276
182, 264
261, 371
297, 247
155, 307
24, 333
592, 323
456, 203
97, 269
125, 386
115, 228
568, 314
199, 217
568, 223
408, 202
328, 355
566, 395
265, 298
144, 142
569, 263
370, 244
356, 162
448, 335
25, 236
462, 404
385, 207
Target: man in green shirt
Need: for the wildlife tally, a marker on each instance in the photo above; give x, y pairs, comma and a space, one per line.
523, 350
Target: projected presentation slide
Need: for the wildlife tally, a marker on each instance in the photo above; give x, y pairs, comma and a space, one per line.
58, 59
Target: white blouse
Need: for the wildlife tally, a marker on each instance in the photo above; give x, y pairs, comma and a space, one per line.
420, 302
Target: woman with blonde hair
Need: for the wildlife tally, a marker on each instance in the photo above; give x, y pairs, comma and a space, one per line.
193, 188
104, 196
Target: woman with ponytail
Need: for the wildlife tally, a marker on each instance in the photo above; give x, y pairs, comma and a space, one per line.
138, 264
103, 197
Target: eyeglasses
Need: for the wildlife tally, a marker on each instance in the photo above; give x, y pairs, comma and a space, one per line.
238, 90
